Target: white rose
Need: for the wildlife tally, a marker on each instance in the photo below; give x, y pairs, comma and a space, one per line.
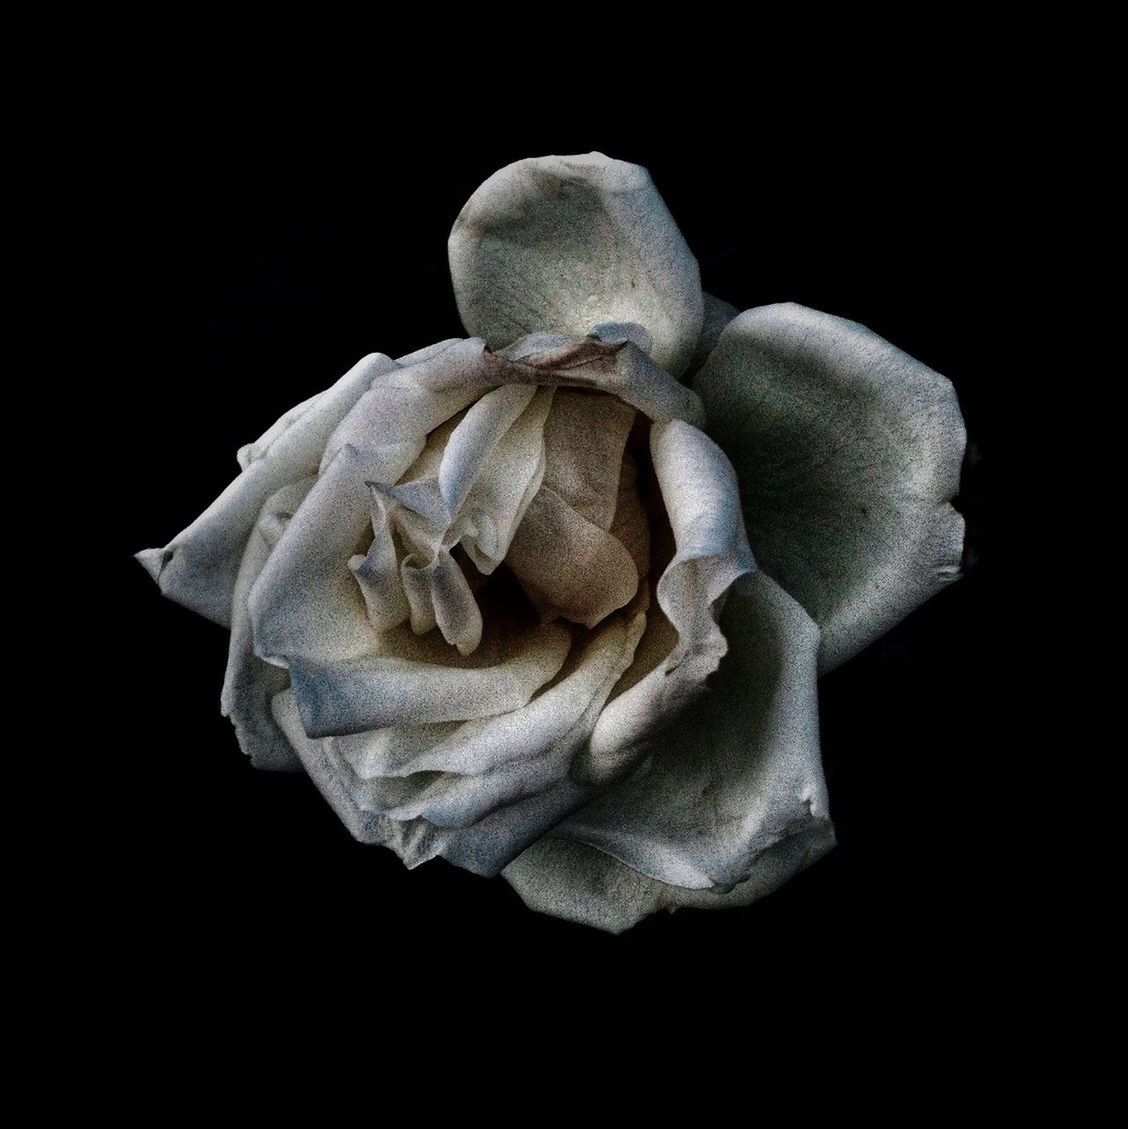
477, 592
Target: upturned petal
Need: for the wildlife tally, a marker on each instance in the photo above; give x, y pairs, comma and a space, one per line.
565, 244
198, 567
683, 646
249, 684
732, 800
848, 452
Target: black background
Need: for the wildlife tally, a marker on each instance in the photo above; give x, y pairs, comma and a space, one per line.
258, 247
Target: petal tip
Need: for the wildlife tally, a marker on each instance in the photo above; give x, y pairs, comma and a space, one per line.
153, 561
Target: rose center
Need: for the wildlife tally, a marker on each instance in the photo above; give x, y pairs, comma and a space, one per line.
545, 480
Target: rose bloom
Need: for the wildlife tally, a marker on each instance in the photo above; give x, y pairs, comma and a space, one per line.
551, 601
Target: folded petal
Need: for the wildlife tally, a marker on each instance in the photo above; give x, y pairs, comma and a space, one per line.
702, 500
306, 601
616, 366
848, 452
568, 566
483, 848
250, 684
496, 761
585, 438
733, 796
198, 567
381, 690
566, 243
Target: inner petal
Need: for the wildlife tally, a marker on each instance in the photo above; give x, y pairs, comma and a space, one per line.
569, 567
470, 485
584, 439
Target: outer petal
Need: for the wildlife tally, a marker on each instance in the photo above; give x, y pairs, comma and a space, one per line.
579, 883
567, 243
198, 567
483, 848
848, 452
250, 684
731, 803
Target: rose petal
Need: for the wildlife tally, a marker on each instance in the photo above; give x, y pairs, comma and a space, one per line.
377, 573
568, 566
306, 601
579, 883
198, 567
499, 498
718, 313
518, 754
250, 684
381, 690
566, 243
702, 502
629, 523
483, 848
439, 595
848, 451
585, 438
733, 793
618, 367
473, 441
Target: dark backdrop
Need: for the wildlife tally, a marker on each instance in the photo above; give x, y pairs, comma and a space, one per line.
257, 250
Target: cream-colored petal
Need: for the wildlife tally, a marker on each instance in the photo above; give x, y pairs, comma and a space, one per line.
306, 602
198, 567
377, 574
732, 800
499, 760
568, 566
497, 501
439, 595
565, 243
585, 438
381, 690
582, 884
483, 848
249, 684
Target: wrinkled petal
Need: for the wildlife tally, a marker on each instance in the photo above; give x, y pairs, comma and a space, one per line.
618, 366
439, 595
499, 760
497, 502
579, 883
731, 799
566, 243
718, 313
306, 602
198, 567
382, 690
483, 848
848, 452
629, 523
249, 684
585, 439
377, 574
473, 441
568, 566
702, 500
